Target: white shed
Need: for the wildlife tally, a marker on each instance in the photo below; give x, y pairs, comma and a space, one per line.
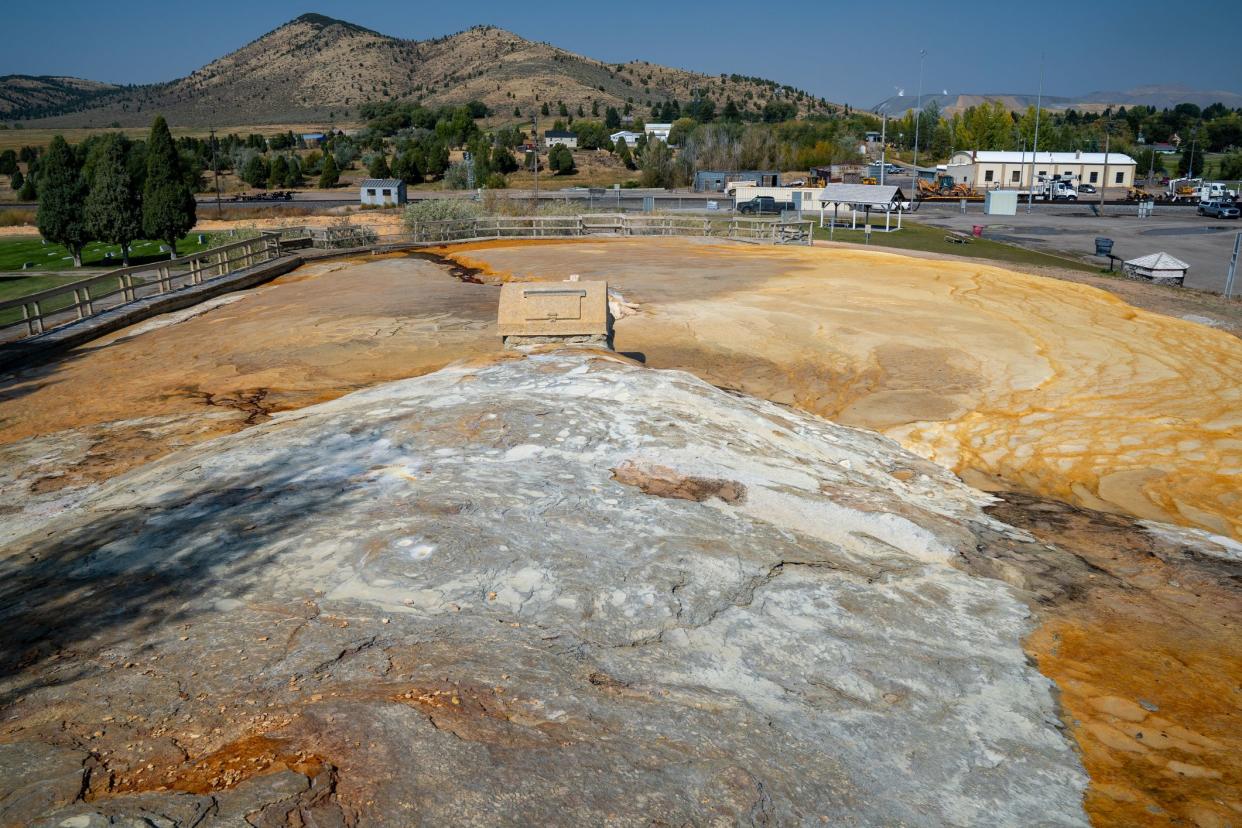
382, 192
1160, 268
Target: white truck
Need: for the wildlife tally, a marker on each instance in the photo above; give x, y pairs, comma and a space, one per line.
1198, 191
1055, 190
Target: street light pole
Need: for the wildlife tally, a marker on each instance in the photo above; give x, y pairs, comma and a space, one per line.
918, 116
883, 147
1039, 99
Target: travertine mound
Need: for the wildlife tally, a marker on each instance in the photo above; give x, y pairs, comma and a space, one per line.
554, 590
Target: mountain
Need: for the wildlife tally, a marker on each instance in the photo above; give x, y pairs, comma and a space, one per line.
29, 96
316, 68
1161, 97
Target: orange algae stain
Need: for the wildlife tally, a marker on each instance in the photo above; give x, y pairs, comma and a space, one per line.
225, 768
1154, 708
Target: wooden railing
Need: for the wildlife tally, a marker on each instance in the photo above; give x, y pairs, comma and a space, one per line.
36, 313
45, 310
759, 230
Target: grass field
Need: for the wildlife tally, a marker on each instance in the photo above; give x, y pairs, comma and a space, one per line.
915, 236
16, 251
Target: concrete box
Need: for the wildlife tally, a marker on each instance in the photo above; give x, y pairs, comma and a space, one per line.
1001, 203
553, 309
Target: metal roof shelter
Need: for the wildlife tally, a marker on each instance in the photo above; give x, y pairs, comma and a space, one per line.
1160, 268
885, 197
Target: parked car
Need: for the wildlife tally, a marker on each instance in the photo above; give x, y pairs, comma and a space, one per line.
1086, 188
764, 205
1218, 209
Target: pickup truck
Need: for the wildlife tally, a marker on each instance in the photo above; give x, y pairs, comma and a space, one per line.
764, 205
1218, 209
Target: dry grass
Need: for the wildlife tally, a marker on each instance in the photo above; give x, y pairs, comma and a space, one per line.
17, 218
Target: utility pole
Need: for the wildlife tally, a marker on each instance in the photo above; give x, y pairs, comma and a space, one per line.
1233, 266
534, 120
1194, 137
1108, 133
1039, 99
918, 116
883, 147
215, 166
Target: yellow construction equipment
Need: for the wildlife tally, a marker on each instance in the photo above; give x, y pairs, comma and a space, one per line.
870, 179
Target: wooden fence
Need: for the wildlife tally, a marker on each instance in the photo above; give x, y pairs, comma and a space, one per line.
36, 313
39, 312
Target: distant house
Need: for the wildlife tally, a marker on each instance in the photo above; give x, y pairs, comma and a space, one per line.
382, 191
560, 136
718, 181
631, 137
1164, 148
871, 137
659, 131
312, 139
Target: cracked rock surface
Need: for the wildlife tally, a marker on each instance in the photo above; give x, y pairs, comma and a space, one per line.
552, 590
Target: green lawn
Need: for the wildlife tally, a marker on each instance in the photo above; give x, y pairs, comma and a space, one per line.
16, 251
915, 236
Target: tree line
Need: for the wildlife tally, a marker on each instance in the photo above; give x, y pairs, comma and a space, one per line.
113, 190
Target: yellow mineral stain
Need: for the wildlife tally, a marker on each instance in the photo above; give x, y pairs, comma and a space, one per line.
1028, 382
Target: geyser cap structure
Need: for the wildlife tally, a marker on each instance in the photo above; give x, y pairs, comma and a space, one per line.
570, 312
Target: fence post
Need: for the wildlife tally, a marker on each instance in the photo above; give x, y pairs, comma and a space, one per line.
30, 328
38, 317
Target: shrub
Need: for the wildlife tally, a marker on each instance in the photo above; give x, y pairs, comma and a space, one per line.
422, 217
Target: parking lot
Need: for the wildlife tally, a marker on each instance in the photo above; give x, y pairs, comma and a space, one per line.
1205, 244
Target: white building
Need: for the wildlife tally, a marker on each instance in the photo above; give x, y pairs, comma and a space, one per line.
552, 137
1001, 169
660, 131
382, 191
631, 138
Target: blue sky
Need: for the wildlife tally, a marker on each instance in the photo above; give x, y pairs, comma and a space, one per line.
851, 52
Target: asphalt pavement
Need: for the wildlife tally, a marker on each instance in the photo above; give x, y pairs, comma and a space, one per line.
1205, 244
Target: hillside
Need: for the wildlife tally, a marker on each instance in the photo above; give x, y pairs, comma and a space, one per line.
1160, 97
29, 96
318, 68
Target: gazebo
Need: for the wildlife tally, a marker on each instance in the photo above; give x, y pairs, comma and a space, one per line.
1159, 268
863, 197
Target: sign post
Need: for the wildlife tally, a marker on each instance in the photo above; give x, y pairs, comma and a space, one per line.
1233, 266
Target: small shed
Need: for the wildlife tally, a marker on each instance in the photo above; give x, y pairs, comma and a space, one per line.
718, 181
382, 192
886, 198
1000, 203
1159, 268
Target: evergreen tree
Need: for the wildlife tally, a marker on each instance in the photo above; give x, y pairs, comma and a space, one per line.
624, 155
256, 172
612, 118
279, 175
61, 216
406, 168
17, 180
8, 162
517, 112
503, 160
561, 160
330, 175
113, 206
544, 111
378, 168
168, 209
28, 192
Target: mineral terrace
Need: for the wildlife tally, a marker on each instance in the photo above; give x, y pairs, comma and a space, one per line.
320, 553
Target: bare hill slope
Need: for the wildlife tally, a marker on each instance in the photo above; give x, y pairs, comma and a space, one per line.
317, 68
